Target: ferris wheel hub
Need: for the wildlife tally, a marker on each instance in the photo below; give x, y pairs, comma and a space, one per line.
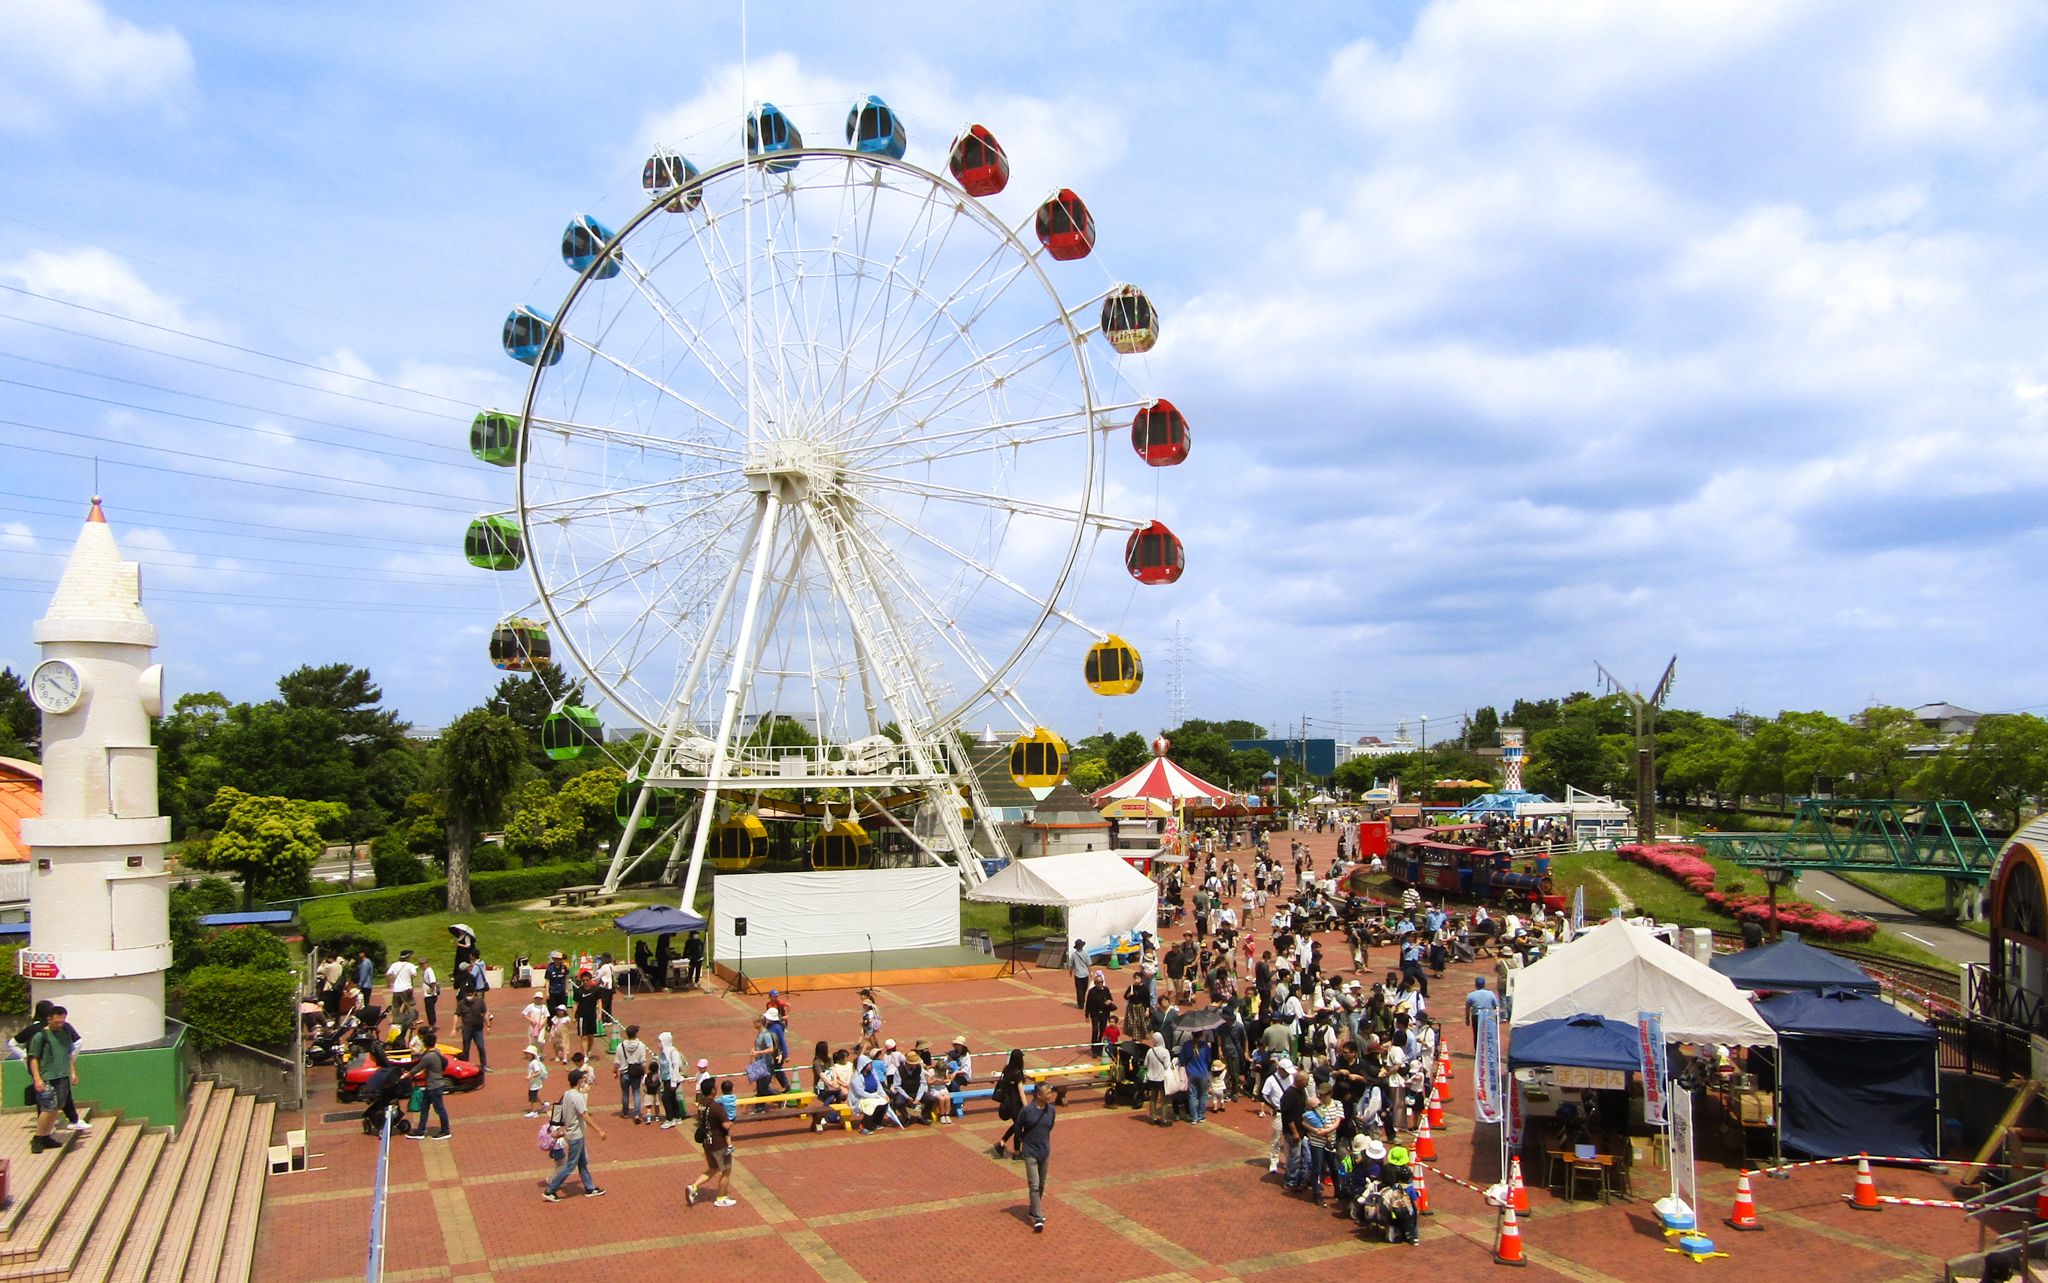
791, 468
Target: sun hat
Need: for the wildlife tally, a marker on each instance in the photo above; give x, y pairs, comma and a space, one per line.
532, 1050
703, 1064
1375, 1149
1398, 1155
888, 1044
959, 1040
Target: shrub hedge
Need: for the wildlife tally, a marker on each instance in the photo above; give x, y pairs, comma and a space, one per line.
336, 923
13, 988
393, 865
241, 1003
247, 947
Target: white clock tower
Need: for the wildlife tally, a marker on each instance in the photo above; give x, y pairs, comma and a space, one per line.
99, 908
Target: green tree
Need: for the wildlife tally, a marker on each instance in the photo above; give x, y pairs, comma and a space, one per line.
1877, 750
593, 798
528, 700
1485, 728
21, 726
1568, 755
481, 756
538, 828
269, 842
2001, 767
1089, 773
1127, 753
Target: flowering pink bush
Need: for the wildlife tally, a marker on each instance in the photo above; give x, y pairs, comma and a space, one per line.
1683, 865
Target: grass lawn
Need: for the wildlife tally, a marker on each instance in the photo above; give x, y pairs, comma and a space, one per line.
1917, 891
504, 931
1667, 901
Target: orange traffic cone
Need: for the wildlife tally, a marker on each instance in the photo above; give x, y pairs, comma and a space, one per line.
1443, 1077
1422, 1207
1864, 1198
1744, 1215
1518, 1193
1425, 1144
1435, 1112
1509, 1250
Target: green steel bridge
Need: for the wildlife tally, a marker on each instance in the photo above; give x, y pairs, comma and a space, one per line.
1864, 836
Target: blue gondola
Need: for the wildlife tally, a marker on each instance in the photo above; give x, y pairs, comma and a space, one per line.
871, 127
583, 243
665, 172
770, 132
529, 337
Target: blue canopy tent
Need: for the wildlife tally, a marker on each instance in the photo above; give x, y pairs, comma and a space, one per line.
656, 920
1792, 964
1855, 1075
1583, 1042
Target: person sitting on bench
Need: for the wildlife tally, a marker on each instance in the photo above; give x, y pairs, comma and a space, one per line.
870, 1100
959, 1075
833, 1087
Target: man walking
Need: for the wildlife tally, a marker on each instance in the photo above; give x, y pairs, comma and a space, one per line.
51, 1069
1034, 1125
473, 1015
1077, 962
575, 1115
433, 1072
1477, 1003
401, 974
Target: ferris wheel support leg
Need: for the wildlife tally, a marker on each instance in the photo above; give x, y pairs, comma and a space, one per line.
735, 686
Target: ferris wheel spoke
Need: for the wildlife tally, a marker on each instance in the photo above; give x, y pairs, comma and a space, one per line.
640, 440
921, 340
694, 340
889, 298
698, 545
983, 362
993, 502
1046, 428
594, 501
969, 562
634, 371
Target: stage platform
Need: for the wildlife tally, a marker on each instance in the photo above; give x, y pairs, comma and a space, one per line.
811, 972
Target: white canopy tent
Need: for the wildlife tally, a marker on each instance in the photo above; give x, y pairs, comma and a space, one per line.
1103, 895
1618, 969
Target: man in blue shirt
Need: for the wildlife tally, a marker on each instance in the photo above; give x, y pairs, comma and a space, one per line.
1480, 1000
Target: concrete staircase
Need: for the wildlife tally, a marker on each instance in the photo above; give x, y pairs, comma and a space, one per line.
130, 1203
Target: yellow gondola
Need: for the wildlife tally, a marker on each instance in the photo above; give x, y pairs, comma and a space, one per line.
738, 843
1113, 667
842, 844
1038, 760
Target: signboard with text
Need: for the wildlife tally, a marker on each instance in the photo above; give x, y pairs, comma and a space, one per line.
38, 964
1486, 1069
1651, 1064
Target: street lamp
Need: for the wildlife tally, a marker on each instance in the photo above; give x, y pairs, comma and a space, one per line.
1775, 876
1425, 764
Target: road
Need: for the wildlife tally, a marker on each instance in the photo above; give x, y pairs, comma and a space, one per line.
1830, 892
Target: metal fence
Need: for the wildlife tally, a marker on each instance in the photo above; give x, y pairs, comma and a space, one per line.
1975, 1046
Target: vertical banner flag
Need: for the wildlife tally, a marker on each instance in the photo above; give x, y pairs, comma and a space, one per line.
1579, 908
1650, 1060
1486, 1069
1684, 1182
1515, 1114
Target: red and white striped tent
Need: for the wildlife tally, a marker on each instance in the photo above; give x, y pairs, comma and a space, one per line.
1161, 780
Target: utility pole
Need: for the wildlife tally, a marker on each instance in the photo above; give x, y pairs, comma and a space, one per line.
1646, 742
1425, 762
1301, 746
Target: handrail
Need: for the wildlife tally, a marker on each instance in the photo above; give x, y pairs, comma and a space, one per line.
373, 1269
1999, 1199
271, 1056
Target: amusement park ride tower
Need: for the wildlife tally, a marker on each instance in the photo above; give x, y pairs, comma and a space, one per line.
1511, 758
99, 927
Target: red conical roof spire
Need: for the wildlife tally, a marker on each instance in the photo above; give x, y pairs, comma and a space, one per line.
98, 513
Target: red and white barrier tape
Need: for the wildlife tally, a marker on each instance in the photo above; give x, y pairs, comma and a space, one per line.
1438, 1171
1920, 1202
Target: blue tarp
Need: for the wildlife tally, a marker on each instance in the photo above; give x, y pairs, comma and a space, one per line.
1858, 1075
657, 920
1583, 1042
11, 929
1792, 963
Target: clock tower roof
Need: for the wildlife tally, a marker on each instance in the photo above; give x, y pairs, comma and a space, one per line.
98, 586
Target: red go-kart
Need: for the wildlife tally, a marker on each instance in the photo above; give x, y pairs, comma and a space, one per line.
461, 1075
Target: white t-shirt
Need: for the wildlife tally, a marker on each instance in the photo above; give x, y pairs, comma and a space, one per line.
401, 973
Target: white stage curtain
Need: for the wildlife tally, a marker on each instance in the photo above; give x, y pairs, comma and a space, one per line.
850, 912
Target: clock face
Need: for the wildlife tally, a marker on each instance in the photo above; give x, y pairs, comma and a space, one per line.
55, 686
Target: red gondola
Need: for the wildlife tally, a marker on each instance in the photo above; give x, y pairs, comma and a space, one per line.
1160, 434
1065, 227
1154, 555
979, 162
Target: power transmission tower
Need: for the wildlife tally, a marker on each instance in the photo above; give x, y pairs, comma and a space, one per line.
1176, 678
1341, 693
1646, 742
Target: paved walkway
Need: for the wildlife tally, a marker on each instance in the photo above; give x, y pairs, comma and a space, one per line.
1126, 1201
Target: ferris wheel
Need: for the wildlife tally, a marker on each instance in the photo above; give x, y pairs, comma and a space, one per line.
816, 438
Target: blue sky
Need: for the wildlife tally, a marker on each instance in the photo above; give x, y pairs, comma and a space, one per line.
1516, 333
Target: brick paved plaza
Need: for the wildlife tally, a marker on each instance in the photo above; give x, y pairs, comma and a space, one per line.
1126, 1201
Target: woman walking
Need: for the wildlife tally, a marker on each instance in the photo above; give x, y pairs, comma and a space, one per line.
1009, 1098
714, 1134
1158, 1064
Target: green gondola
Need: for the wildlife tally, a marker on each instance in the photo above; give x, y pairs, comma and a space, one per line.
494, 543
663, 805
494, 437
564, 735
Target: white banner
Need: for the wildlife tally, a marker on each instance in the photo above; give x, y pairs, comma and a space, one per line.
847, 912
1684, 1185
1486, 1069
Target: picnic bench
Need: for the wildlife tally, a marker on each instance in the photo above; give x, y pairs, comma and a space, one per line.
578, 897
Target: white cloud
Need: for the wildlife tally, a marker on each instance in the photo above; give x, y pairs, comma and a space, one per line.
95, 278
65, 58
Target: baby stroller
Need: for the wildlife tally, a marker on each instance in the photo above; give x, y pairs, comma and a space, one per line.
388, 1088
1126, 1077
